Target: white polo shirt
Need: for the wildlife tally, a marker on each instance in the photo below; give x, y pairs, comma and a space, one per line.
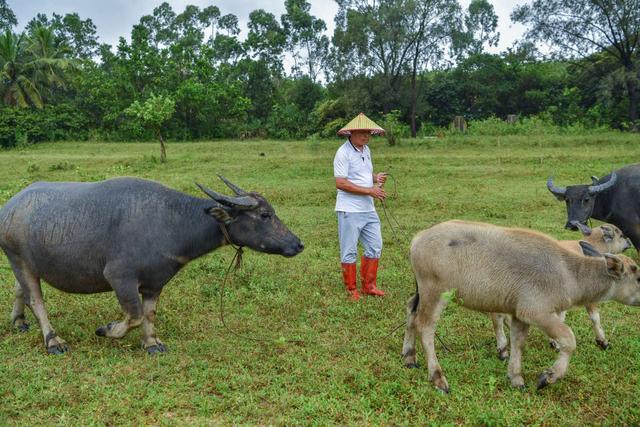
356, 166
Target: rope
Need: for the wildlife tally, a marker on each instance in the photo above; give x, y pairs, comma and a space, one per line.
237, 260
391, 218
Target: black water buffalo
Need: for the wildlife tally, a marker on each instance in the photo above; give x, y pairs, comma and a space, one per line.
614, 198
126, 235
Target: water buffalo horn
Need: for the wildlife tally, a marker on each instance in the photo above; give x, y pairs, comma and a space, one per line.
595, 189
239, 191
244, 202
555, 190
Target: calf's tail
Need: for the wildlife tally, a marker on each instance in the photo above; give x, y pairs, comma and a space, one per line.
415, 300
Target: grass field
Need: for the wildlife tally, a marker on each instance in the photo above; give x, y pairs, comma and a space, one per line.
347, 370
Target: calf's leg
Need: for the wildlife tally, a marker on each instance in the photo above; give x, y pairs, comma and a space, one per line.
429, 309
409, 345
553, 326
552, 343
501, 340
594, 315
519, 332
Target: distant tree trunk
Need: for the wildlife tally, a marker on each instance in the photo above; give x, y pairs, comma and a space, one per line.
163, 151
414, 102
632, 90
414, 90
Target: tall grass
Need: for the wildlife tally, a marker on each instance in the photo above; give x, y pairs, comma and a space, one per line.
346, 370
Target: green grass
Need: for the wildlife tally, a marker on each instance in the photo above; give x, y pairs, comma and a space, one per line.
346, 370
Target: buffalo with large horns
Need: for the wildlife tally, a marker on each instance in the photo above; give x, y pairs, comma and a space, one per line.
614, 198
125, 235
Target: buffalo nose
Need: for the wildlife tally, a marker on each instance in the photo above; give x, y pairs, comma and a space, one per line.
300, 247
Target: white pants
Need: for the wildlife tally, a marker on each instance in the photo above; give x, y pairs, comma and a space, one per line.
359, 226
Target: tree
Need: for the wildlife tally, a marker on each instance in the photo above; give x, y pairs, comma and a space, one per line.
17, 86
305, 40
578, 28
480, 24
374, 38
152, 114
49, 62
266, 39
31, 67
78, 36
433, 28
7, 17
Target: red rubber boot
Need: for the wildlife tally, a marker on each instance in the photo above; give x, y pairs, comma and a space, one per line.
349, 278
368, 276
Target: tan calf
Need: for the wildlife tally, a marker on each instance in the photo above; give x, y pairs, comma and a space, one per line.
606, 238
525, 274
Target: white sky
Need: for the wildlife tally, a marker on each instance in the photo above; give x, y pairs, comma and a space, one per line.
115, 18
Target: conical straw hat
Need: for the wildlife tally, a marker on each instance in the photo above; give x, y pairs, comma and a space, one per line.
361, 122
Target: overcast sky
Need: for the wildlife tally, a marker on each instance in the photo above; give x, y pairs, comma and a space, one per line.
115, 18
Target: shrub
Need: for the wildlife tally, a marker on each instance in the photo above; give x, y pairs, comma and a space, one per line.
51, 123
394, 128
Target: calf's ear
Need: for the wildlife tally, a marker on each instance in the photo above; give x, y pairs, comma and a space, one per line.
615, 267
588, 249
607, 233
220, 214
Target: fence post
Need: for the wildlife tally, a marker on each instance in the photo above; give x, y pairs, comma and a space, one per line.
459, 123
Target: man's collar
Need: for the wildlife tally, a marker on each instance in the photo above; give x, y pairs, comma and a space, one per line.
355, 148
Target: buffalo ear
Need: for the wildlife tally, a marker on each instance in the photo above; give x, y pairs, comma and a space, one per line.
588, 249
220, 214
615, 267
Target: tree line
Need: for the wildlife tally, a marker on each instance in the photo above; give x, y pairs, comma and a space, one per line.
412, 64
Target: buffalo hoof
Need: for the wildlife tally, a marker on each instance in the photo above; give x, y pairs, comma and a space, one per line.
554, 345
444, 389
23, 327
544, 380
155, 349
440, 382
20, 324
603, 344
503, 354
102, 330
58, 348
413, 365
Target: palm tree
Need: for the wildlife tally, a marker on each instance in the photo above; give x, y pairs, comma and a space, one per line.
32, 67
16, 87
49, 60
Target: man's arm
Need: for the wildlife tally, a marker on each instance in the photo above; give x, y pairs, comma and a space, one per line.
345, 185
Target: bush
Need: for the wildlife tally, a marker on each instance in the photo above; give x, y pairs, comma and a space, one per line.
394, 128
286, 122
51, 123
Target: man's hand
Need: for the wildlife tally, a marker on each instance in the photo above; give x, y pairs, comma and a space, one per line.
377, 193
381, 178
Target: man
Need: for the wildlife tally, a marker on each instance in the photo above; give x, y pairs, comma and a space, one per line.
357, 186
